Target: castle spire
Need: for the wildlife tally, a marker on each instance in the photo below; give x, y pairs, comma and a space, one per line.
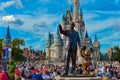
49, 36
8, 33
81, 13
96, 37
76, 4
71, 8
57, 33
63, 18
79, 32
86, 34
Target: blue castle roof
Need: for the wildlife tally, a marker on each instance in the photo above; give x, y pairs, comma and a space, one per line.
86, 34
49, 36
81, 13
57, 34
96, 37
79, 33
8, 33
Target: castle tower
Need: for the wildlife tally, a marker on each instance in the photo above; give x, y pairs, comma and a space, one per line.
69, 20
86, 40
81, 22
76, 14
7, 43
48, 43
57, 45
63, 21
76, 5
110, 54
96, 46
79, 57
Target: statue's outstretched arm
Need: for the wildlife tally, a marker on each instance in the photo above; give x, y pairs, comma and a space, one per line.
62, 31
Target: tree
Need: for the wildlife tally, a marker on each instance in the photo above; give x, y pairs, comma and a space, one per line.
116, 53
1, 40
18, 42
16, 51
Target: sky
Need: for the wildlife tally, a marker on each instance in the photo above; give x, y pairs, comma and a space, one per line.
33, 19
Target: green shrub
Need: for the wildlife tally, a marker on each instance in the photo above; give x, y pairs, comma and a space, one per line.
11, 62
11, 75
11, 70
12, 67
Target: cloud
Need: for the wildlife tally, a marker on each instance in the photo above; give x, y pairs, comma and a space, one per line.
18, 22
40, 24
7, 4
17, 3
116, 1
1, 8
117, 25
10, 19
70, 2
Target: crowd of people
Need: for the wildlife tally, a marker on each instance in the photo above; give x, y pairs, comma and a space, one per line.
40, 71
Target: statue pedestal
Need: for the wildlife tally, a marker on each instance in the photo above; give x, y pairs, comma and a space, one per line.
78, 78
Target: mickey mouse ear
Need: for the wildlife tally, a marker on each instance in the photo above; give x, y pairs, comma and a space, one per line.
84, 48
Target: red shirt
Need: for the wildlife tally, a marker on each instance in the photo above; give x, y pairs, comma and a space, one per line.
17, 72
3, 76
33, 71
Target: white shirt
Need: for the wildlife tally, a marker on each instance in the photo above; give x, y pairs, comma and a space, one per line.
45, 76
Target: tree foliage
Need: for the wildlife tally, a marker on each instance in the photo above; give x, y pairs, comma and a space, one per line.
16, 51
1, 40
117, 53
11, 69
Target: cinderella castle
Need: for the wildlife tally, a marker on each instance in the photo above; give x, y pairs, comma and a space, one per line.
56, 43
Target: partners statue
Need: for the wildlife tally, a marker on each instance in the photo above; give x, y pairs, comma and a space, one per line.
72, 48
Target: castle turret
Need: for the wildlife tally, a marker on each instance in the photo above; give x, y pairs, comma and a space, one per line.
76, 14
48, 43
68, 20
76, 4
63, 21
96, 42
87, 41
57, 45
110, 54
68, 17
96, 46
86, 34
81, 22
71, 9
7, 43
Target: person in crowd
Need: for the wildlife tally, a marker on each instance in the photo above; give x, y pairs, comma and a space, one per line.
46, 75
23, 76
17, 73
3, 75
41, 71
